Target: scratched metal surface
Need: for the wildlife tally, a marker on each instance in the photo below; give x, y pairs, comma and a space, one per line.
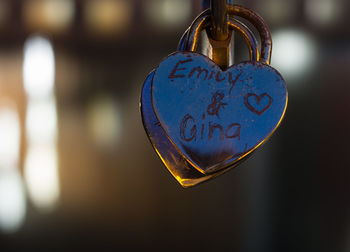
216, 118
177, 165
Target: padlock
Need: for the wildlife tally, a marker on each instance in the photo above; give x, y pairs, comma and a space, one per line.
199, 138
185, 174
176, 164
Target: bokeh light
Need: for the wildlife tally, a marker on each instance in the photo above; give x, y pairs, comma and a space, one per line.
12, 201
293, 53
48, 15
38, 67
12, 192
107, 17
324, 12
41, 164
104, 121
277, 11
9, 136
41, 175
168, 13
41, 121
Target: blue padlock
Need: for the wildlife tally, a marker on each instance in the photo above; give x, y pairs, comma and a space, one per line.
185, 174
203, 121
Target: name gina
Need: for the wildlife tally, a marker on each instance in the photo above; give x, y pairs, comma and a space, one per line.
190, 132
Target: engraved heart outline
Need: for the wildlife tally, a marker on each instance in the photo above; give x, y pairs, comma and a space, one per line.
234, 158
258, 99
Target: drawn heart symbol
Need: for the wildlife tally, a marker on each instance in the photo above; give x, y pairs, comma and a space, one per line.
215, 118
258, 98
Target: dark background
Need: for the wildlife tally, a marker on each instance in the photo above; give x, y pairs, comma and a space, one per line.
80, 174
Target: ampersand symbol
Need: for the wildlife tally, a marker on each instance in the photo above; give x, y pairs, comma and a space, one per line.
216, 104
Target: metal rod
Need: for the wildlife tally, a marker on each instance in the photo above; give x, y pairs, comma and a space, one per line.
219, 20
220, 38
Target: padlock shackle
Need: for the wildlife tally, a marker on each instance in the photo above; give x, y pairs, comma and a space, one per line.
199, 24
183, 41
259, 24
203, 21
248, 37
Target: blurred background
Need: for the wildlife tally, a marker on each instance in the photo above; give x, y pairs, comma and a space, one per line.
77, 171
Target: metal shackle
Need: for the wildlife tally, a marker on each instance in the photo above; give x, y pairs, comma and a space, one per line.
259, 23
190, 38
249, 15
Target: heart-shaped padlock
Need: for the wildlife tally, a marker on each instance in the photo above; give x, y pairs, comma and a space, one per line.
185, 174
210, 119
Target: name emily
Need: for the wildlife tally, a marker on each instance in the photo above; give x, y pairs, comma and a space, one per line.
179, 71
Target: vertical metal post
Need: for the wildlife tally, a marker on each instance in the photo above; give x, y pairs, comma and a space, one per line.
219, 35
219, 29
221, 51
